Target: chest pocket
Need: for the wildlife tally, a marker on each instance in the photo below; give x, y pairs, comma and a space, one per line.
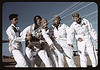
81, 28
77, 28
84, 27
63, 31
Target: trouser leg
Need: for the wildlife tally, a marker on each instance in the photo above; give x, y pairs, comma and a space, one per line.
91, 51
29, 56
58, 51
43, 55
19, 58
61, 62
52, 56
83, 59
37, 61
96, 56
68, 53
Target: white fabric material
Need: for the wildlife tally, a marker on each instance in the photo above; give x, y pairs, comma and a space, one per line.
14, 40
44, 58
61, 32
87, 46
82, 31
51, 54
15, 46
19, 58
25, 31
13, 35
29, 56
53, 57
58, 53
68, 51
47, 38
61, 38
42, 53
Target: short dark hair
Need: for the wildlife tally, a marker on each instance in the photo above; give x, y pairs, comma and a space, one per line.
13, 16
36, 18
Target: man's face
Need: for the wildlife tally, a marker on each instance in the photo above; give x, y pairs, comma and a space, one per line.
75, 19
44, 23
39, 22
14, 21
56, 21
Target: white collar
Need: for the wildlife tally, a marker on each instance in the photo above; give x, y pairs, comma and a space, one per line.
58, 26
80, 23
13, 25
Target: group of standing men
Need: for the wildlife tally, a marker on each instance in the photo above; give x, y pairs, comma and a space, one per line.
51, 42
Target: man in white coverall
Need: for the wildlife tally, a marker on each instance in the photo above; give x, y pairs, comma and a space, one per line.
50, 52
15, 46
35, 30
83, 27
60, 32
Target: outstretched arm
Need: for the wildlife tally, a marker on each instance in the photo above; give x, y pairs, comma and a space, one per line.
47, 38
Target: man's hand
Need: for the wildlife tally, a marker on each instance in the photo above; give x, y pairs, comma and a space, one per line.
70, 45
29, 34
52, 47
80, 39
52, 37
97, 40
28, 38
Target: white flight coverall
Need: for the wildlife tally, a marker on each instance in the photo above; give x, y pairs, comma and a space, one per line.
15, 46
42, 53
61, 41
51, 53
82, 31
